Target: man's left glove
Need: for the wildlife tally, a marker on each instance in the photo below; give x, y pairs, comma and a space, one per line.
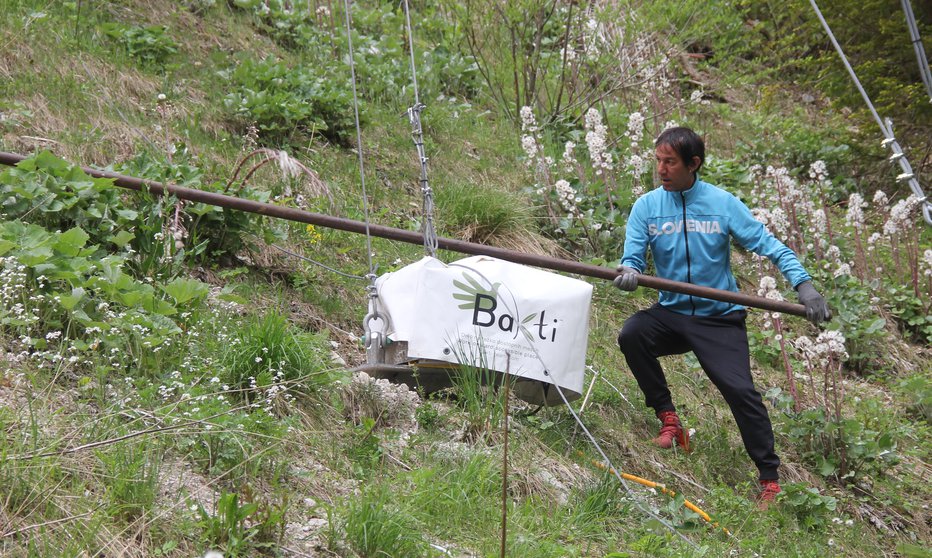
628, 278
816, 308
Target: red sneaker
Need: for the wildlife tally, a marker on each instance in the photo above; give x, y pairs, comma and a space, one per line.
768, 493
671, 431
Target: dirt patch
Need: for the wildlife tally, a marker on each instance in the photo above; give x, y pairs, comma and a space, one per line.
180, 486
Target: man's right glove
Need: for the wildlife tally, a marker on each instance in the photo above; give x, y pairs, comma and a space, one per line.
628, 278
816, 308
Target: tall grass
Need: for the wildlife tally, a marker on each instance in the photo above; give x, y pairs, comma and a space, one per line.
484, 214
376, 525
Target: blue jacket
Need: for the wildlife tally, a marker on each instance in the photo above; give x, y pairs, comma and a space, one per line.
689, 234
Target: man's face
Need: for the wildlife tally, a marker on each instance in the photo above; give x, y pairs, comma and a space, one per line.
675, 174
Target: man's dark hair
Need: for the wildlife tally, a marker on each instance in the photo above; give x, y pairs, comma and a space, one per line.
685, 142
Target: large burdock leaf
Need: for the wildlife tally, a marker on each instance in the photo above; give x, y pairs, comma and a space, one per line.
70, 242
184, 290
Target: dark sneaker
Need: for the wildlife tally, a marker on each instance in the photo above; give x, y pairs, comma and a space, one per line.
671, 431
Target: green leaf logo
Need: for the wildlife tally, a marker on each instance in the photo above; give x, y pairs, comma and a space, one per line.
470, 289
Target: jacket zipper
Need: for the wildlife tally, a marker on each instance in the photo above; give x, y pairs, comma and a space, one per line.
689, 275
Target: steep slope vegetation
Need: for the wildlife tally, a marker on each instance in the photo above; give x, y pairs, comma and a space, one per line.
176, 379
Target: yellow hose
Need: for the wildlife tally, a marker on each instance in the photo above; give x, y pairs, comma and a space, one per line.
662, 488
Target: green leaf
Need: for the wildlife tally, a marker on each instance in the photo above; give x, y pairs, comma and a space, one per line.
131, 298
48, 161
6, 246
183, 290
232, 297
34, 256
122, 238
71, 241
72, 300
127, 214
81, 316
201, 209
826, 467
159, 306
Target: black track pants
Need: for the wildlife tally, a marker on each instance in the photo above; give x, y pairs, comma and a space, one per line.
721, 345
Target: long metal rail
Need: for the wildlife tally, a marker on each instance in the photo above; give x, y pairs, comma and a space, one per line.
411, 237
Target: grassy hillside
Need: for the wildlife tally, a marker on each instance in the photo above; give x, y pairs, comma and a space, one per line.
176, 380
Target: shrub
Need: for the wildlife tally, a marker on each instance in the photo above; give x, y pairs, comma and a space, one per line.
150, 45
56, 195
847, 448
269, 351
70, 281
230, 527
811, 508
291, 27
911, 313
287, 102
211, 232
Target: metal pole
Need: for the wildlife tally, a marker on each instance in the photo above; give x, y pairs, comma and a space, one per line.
411, 237
917, 46
886, 128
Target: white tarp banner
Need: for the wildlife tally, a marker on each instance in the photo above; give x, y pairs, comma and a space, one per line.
481, 311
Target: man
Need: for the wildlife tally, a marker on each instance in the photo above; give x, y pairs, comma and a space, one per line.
688, 224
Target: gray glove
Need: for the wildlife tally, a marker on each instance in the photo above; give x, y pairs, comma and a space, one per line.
816, 308
628, 278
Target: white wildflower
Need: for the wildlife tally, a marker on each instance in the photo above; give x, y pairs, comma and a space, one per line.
529, 145
901, 215
881, 199
569, 159
818, 171
638, 164
768, 289
779, 222
596, 134
819, 221
528, 122
926, 263
635, 127
565, 194
855, 215
762, 215
569, 53
592, 38
695, 96
833, 343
